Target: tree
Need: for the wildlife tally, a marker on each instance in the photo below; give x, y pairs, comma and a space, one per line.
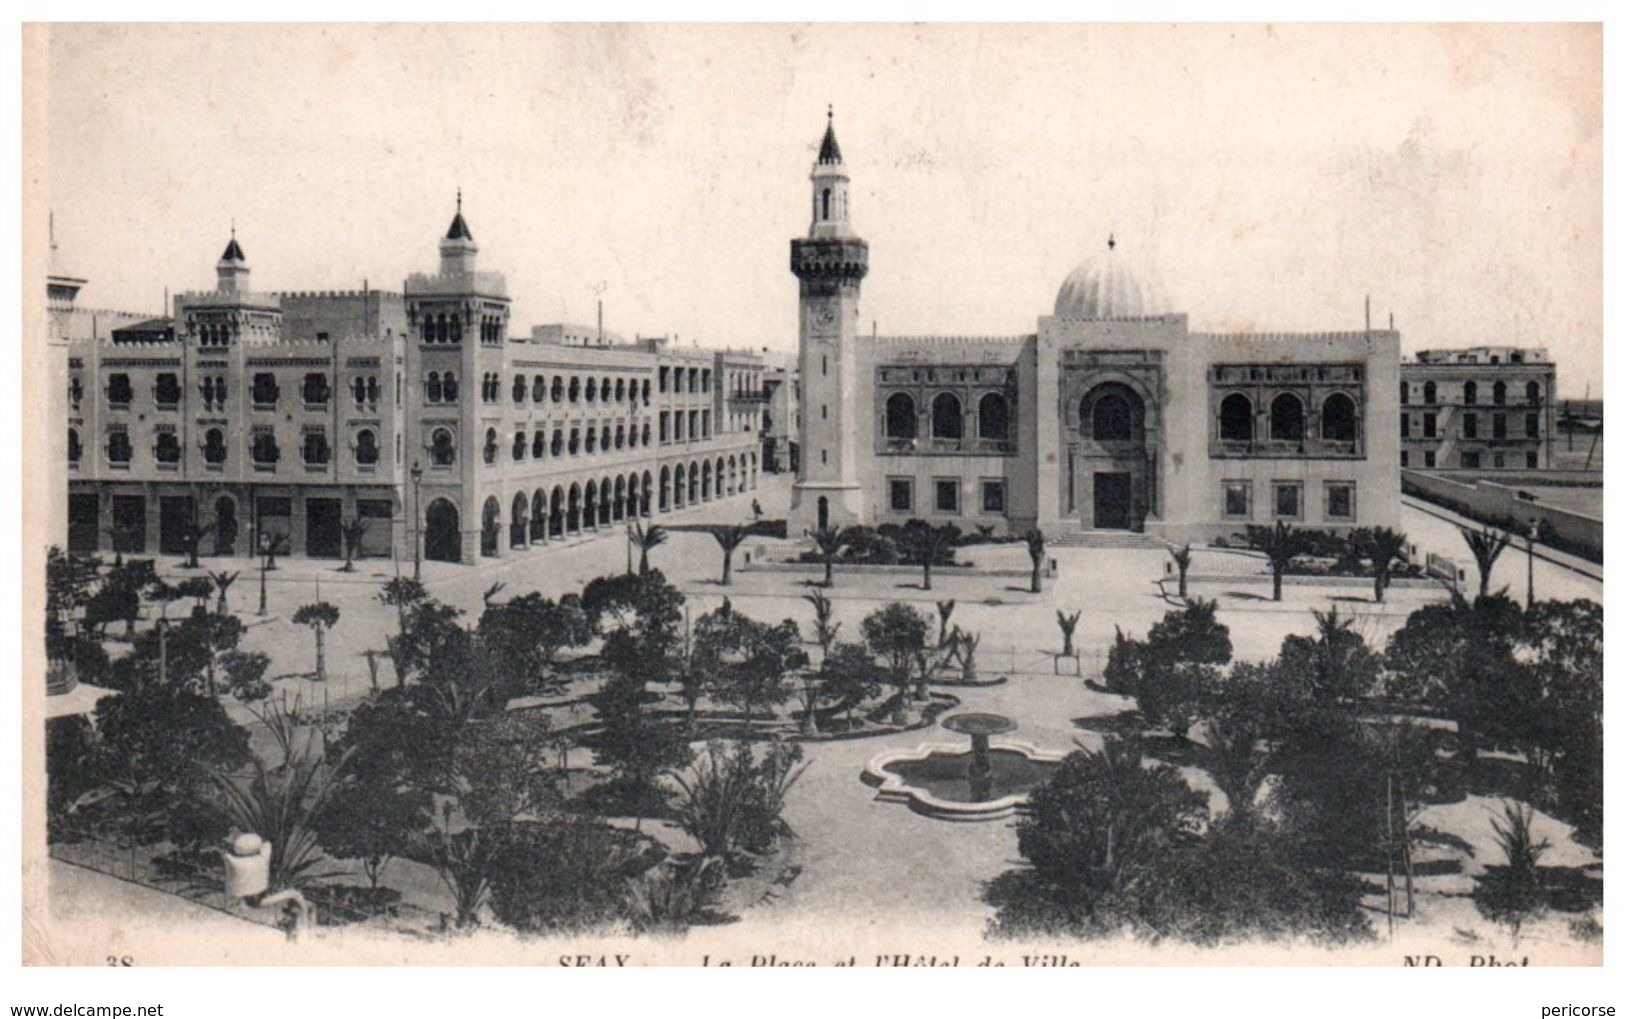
404, 595
1512, 894
729, 537
926, 544
525, 635
164, 593
119, 596
70, 582
824, 631
1486, 544
830, 542
192, 535
1182, 563
1281, 545
896, 634
222, 583
1068, 625
198, 589
1035, 552
373, 824
1097, 830
1381, 545
1238, 725
1335, 665
750, 662
945, 612
1461, 658
1562, 642
320, 617
645, 538
158, 743
848, 676
352, 531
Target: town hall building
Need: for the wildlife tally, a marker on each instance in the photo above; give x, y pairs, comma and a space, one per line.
1112, 415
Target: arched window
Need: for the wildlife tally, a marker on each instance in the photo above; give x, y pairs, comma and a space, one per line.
1430, 393
490, 449
457, 329
442, 450
556, 393
1337, 418
1531, 393
947, 419
575, 441
592, 440
993, 417
441, 333
1286, 418
620, 436
265, 449
167, 448
1112, 418
431, 388
315, 448
119, 450
214, 446
604, 438
575, 389
1404, 392
646, 433
1469, 393
450, 385
366, 447
315, 388
558, 442
592, 390
826, 204
537, 389
75, 449
428, 329
1500, 394
538, 444
901, 422
519, 445
1236, 418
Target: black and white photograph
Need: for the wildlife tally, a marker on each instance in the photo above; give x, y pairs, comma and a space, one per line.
778, 495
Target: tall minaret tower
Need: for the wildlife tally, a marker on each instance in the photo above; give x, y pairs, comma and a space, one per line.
831, 262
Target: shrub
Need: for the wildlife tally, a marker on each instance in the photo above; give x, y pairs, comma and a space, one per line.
730, 802
671, 897
572, 876
1511, 895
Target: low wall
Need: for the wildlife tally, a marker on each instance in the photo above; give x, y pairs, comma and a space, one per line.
1502, 506
1554, 477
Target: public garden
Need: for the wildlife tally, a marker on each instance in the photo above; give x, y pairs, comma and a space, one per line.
603, 735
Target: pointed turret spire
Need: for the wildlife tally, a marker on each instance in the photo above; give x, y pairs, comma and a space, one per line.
234, 251
830, 150
459, 230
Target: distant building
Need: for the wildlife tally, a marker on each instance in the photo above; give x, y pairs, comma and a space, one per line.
781, 419
1478, 408
259, 414
1112, 415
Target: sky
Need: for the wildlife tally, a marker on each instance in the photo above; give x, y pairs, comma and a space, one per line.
1266, 178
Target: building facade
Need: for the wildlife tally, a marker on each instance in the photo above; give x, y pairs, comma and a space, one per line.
781, 415
1110, 415
260, 416
1478, 409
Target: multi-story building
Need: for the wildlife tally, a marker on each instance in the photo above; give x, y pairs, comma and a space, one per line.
1478, 408
259, 415
1112, 415
781, 418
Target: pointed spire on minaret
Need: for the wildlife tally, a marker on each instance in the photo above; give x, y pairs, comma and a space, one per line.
830, 150
234, 251
1111, 242
459, 230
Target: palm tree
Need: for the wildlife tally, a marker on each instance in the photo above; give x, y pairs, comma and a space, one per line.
929, 543
1068, 625
945, 611
1035, 552
730, 537
1280, 544
645, 538
352, 531
830, 543
1381, 545
1182, 563
192, 535
320, 617
222, 582
824, 629
1486, 544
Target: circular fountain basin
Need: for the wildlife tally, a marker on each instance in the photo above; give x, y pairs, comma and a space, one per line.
932, 778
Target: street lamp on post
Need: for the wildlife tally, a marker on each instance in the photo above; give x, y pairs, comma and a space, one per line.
265, 560
1534, 532
417, 509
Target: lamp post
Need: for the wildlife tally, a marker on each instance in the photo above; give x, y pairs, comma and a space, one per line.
1534, 532
417, 508
265, 559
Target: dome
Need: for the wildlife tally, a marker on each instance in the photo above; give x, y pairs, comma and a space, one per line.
1105, 287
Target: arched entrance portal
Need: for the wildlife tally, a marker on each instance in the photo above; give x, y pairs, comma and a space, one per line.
225, 526
442, 535
1112, 483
